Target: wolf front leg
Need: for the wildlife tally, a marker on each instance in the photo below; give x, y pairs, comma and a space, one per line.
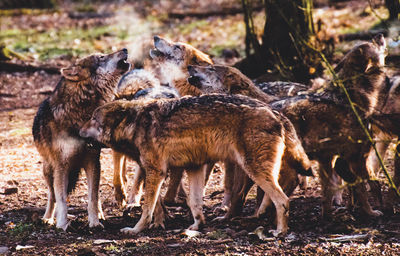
119, 179
60, 190
154, 179
196, 179
92, 169
48, 172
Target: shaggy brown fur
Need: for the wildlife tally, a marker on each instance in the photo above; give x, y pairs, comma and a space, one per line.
328, 127
229, 80
170, 62
190, 132
225, 79
83, 87
138, 84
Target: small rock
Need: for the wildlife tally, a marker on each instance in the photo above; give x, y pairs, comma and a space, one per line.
191, 233
3, 250
174, 245
8, 190
102, 241
22, 247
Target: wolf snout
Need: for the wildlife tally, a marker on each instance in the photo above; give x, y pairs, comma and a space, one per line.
83, 133
191, 69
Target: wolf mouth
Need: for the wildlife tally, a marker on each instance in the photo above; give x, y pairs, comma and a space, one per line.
195, 80
123, 64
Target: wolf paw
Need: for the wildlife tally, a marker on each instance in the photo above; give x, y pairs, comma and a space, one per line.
221, 209
277, 233
376, 213
156, 225
219, 219
96, 225
63, 226
132, 206
194, 226
129, 231
49, 221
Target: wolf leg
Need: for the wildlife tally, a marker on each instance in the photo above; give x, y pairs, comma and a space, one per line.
48, 173
154, 179
92, 169
175, 177
196, 189
118, 180
137, 188
60, 190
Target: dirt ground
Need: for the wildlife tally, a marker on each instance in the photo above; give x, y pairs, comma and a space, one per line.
23, 233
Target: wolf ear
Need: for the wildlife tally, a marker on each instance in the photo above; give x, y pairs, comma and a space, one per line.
379, 40
75, 73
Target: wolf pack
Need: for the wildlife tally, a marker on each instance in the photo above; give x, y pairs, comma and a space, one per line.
182, 113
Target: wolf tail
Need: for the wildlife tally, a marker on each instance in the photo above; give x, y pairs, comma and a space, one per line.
295, 153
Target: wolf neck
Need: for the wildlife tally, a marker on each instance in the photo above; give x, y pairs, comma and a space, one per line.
87, 96
366, 90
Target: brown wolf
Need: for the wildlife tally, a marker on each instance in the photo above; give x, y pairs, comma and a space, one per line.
387, 121
324, 121
328, 127
84, 86
229, 80
138, 84
225, 79
190, 132
170, 61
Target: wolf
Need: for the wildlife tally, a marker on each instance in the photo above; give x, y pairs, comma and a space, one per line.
138, 84
229, 80
84, 86
188, 133
386, 122
326, 124
170, 61
225, 79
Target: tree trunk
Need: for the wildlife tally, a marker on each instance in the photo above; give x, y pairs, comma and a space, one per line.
288, 26
394, 9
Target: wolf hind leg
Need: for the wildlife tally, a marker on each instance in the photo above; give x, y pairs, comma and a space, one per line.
119, 180
48, 172
92, 169
196, 189
154, 179
137, 188
60, 190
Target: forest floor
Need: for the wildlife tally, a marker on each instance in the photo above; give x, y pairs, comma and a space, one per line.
40, 36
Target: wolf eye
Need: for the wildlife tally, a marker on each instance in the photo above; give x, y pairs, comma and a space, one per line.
177, 47
102, 57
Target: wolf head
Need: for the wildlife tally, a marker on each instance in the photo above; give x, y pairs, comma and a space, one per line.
180, 54
364, 57
102, 127
98, 67
218, 79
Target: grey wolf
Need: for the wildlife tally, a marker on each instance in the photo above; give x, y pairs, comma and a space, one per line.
328, 128
229, 80
84, 86
188, 133
138, 84
225, 79
170, 61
